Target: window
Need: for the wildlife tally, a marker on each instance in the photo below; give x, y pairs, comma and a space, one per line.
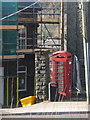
22, 75
22, 39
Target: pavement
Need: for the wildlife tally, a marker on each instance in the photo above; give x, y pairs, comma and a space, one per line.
48, 110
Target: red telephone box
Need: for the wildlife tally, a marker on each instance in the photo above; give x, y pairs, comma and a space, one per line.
62, 72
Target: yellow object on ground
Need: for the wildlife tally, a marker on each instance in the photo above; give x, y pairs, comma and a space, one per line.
28, 101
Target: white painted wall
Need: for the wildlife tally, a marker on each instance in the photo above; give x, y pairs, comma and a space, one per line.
1, 86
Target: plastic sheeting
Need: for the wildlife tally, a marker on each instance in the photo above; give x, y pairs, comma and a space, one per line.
76, 77
9, 37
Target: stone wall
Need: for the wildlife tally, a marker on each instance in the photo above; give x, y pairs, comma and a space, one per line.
42, 75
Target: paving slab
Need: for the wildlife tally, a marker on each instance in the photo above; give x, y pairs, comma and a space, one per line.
49, 107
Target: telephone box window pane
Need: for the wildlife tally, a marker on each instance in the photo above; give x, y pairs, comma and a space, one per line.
61, 67
59, 78
60, 82
60, 89
60, 70
60, 63
69, 57
59, 74
60, 85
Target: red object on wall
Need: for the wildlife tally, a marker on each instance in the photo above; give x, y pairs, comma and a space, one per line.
62, 72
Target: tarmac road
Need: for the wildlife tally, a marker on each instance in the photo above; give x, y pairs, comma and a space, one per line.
84, 116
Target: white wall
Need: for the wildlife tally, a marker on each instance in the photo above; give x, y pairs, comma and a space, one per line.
1, 86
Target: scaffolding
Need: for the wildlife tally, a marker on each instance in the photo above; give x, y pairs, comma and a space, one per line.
48, 38
45, 36
49, 35
49, 20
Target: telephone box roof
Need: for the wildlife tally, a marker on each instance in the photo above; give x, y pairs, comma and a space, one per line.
62, 53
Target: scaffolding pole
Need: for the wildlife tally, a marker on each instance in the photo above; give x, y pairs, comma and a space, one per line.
7, 79
17, 93
62, 25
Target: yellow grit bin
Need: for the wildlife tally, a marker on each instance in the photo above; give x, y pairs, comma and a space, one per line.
28, 101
